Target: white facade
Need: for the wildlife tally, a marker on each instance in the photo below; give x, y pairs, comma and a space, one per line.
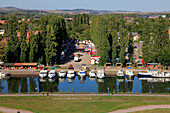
2, 32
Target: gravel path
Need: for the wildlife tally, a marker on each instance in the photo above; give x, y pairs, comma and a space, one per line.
11, 110
141, 108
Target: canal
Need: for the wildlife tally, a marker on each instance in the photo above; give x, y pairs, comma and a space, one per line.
84, 85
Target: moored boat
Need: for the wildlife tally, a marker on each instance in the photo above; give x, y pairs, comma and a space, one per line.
100, 74
92, 74
51, 74
62, 73
43, 73
129, 73
120, 74
81, 73
161, 74
70, 74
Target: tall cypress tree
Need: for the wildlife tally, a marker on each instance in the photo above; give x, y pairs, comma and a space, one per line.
13, 44
43, 24
114, 46
130, 48
23, 41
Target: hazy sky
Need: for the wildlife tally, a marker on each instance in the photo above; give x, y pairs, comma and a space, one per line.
130, 5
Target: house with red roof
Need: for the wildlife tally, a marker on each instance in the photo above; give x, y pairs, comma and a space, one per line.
28, 34
3, 21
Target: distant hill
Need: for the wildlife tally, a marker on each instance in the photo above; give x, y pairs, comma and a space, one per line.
75, 11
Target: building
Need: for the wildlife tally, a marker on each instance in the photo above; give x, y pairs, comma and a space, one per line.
28, 34
137, 51
136, 36
2, 32
3, 21
15, 66
94, 60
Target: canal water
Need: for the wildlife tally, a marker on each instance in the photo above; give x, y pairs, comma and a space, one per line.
85, 85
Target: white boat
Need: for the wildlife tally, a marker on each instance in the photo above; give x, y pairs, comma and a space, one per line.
100, 74
129, 73
51, 74
120, 74
92, 74
62, 73
82, 73
3, 75
70, 74
161, 74
156, 73
43, 73
142, 74
149, 73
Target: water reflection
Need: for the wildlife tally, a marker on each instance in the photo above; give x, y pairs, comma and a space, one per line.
62, 79
85, 85
92, 78
70, 80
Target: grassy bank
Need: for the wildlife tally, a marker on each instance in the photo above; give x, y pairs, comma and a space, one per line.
76, 104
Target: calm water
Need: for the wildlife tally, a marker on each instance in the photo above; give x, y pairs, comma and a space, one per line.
85, 85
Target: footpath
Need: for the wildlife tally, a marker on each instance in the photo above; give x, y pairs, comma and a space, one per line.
141, 108
11, 110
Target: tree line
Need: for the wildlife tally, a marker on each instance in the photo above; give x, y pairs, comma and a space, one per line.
113, 38
111, 34
44, 47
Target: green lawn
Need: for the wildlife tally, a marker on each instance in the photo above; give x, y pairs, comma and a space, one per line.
98, 104
155, 111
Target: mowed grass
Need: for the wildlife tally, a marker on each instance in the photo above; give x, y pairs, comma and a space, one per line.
155, 111
99, 104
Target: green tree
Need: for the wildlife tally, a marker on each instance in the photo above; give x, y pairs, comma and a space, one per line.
13, 44
114, 46
130, 48
23, 40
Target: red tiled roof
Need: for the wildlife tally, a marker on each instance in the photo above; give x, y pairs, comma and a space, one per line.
18, 64
29, 64
28, 34
4, 40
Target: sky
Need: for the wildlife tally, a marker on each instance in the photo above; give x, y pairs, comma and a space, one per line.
128, 5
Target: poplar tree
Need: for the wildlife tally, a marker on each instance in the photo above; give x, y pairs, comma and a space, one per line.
114, 46
130, 48
43, 32
23, 40
13, 44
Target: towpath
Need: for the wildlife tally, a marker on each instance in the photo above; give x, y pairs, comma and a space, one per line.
140, 108
11, 110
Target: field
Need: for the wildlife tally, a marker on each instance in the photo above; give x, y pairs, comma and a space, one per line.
77, 104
